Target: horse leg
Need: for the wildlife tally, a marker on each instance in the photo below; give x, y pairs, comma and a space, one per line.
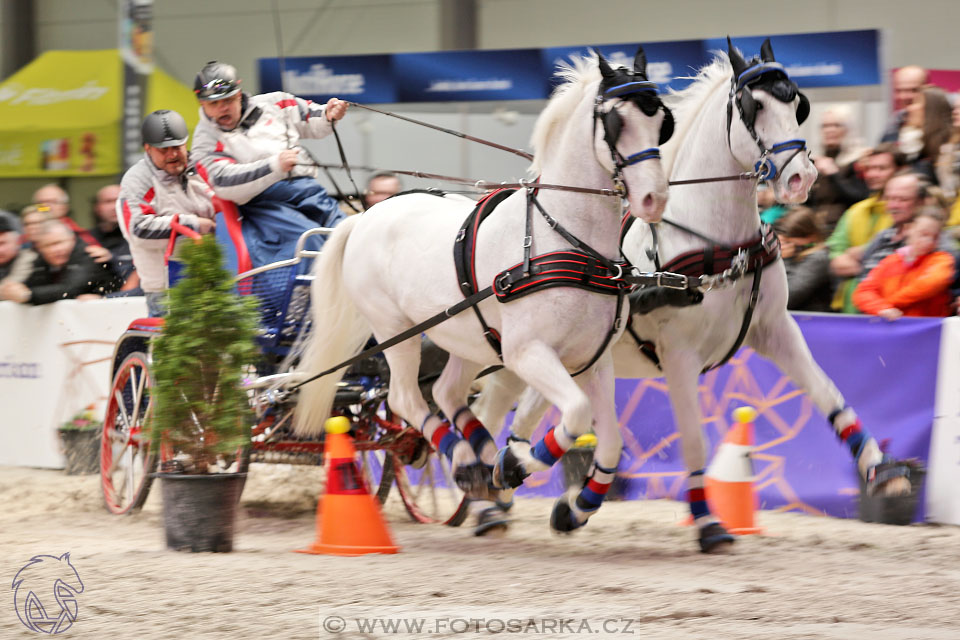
406, 400
682, 370
782, 342
538, 364
572, 510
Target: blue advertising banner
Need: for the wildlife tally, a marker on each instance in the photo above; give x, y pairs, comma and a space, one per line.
513, 74
839, 58
833, 59
668, 63
886, 371
359, 78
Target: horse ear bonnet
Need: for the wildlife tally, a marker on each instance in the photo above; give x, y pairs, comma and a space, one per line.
666, 129
612, 125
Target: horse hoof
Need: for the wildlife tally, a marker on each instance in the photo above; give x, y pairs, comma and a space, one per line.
715, 539
890, 479
562, 518
505, 505
508, 471
491, 522
474, 480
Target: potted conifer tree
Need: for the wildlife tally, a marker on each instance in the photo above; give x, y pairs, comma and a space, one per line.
201, 417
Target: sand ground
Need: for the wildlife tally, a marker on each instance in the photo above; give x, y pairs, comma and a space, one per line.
632, 569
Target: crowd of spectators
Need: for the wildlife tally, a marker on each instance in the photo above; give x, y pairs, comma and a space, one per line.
879, 233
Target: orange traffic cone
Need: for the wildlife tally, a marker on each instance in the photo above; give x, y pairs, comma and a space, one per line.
729, 478
350, 523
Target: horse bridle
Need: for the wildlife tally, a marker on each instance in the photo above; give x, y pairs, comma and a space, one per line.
648, 102
773, 77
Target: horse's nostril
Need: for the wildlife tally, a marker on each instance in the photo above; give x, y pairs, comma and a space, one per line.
648, 202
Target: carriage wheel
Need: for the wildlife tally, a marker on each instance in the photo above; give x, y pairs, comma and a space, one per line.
378, 472
430, 493
126, 462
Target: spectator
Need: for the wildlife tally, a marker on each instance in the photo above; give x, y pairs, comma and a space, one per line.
15, 263
807, 261
381, 186
838, 186
925, 130
58, 200
860, 223
770, 209
915, 279
907, 83
32, 218
163, 184
246, 148
107, 232
12, 218
948, 166
63, 270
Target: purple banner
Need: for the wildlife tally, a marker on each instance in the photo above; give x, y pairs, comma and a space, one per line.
886, 370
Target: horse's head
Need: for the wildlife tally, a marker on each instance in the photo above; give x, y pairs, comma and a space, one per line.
630, 124
766, 136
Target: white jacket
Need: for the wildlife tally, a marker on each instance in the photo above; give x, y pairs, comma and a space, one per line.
149, 198
241, 163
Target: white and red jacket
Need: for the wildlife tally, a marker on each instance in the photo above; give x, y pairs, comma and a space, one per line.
149, 198
241, 163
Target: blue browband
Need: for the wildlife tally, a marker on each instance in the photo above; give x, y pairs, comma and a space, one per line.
758, 70
629, 88
653, 153
797, 143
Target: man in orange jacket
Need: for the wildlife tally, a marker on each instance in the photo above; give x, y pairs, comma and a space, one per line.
913, 281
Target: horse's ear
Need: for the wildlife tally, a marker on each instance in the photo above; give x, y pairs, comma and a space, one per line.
640, 62
736, 60
766, 51
605, 69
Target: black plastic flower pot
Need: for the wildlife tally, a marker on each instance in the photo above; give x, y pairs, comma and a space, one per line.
81, 451
200, 511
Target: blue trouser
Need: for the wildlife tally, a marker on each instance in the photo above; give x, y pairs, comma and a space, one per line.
274, 220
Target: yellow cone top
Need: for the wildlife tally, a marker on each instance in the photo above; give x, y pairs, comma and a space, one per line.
744, 415
337, 424
586, 440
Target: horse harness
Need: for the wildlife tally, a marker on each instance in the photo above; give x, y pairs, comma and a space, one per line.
581, 266
708, 268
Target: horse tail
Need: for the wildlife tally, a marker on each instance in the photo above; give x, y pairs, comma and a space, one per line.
339, 332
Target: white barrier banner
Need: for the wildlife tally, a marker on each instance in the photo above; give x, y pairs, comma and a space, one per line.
54, 361
943, 467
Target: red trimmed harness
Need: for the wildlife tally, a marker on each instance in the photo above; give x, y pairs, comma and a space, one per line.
712, 260
581, 267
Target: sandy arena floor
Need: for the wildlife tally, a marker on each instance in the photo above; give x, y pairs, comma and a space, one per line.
632, 569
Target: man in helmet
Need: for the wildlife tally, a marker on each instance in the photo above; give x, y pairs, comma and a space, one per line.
162, 186
246, 148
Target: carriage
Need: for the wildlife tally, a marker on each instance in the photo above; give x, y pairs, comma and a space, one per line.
390, 451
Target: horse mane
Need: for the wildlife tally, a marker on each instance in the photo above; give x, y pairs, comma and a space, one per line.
577, 75
688, 103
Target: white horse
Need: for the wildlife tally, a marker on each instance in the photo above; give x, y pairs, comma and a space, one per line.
765, 112
390, 268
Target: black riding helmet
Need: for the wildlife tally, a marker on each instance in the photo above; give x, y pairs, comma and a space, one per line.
217, 80
164, 128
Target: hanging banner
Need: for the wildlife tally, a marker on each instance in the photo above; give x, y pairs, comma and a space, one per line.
136, 50
831, 59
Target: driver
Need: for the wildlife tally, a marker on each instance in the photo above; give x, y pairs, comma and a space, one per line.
246, 148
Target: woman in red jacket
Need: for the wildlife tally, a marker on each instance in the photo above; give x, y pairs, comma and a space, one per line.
915, 280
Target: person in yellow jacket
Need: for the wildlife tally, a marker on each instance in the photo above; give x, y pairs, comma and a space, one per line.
860, 223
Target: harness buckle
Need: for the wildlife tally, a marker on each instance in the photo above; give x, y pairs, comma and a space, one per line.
503, 282
619, 186
670, 280
527, 242
461, 235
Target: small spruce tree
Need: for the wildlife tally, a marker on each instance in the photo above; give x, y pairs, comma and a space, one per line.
201, 408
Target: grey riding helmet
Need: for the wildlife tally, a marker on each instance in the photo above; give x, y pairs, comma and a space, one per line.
164, 128
217, 80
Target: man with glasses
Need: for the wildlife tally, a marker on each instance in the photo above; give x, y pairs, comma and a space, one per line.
247, 150
164, 183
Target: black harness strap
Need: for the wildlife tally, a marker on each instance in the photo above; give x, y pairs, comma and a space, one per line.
463, 257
